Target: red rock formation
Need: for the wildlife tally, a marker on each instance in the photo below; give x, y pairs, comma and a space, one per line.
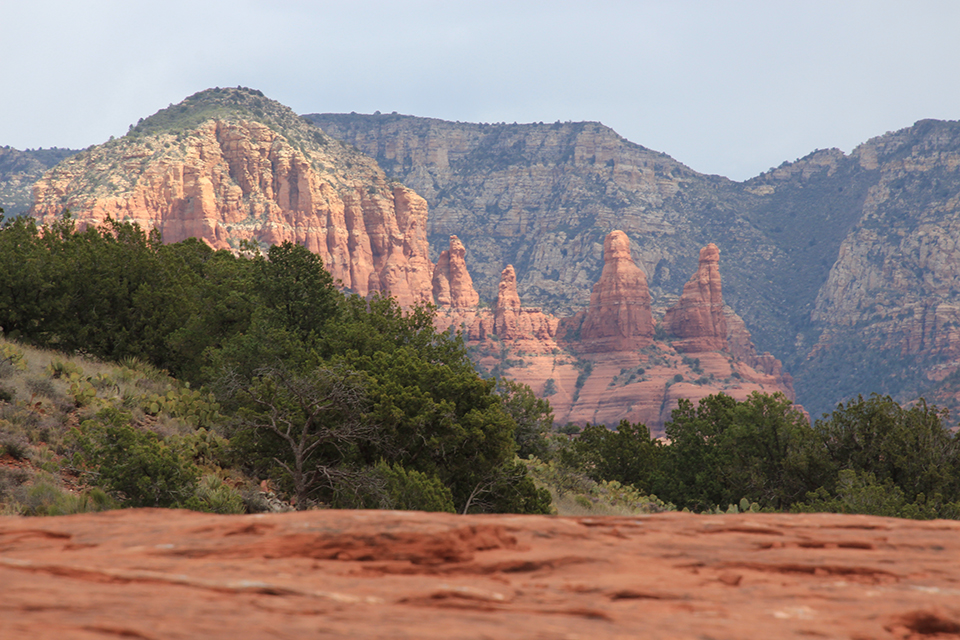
698, 318
452, 284
511, 321
619, 317
152, 573
232, 180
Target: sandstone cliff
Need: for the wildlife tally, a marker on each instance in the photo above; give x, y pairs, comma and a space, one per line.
543, 196
698, 318
229, 165
604, 364
840, 264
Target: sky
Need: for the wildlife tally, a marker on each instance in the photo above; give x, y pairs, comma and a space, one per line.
726, 87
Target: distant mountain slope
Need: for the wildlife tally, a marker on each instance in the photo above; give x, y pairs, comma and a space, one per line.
845, 267
543, 196
822, 255
19, 170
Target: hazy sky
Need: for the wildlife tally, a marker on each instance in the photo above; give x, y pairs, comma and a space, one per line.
727, 87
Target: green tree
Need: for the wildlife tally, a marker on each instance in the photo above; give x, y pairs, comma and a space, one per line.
909, 447
308, 425
721, 451
628, 454
532, 415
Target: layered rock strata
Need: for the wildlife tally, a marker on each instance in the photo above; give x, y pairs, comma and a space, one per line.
619, 317
376, 574
698, 318
603, 365
511, 321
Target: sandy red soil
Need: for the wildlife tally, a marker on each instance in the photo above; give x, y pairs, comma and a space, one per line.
373, 574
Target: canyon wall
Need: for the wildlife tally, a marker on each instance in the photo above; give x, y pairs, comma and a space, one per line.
605, 364
843, 266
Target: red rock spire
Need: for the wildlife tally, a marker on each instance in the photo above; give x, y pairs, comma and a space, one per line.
698, 317
452, 284
619, 318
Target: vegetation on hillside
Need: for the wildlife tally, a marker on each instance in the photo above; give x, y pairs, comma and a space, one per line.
868, 456
235, 376
337, 400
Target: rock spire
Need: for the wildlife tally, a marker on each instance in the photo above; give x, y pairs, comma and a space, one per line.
698, 318
619, 317
452, 284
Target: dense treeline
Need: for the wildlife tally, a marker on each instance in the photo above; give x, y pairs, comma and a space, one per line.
342, 400
868, 456
356, 403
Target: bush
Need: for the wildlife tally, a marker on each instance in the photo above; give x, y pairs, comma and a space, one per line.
860, 492
135, 464
411, 490
46, 498
215, 496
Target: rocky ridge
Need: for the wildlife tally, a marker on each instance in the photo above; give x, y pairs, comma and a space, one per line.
19, 170
605, 364
228, 166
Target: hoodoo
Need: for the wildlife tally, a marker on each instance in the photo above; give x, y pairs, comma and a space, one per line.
452, 284
698, 318
619, 318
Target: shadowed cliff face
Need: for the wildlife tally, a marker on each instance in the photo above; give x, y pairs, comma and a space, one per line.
19, 170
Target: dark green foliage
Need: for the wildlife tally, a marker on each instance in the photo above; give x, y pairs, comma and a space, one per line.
724, 450
909, 447
136, 465
394, 487
627, 455
860, 492
532, 415
302, 428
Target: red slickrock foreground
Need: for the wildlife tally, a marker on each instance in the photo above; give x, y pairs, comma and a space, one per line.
378, 574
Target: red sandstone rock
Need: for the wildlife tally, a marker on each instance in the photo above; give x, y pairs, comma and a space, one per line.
381, 574
452, 284
619, 317
698, 317
232, 180
511, 321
